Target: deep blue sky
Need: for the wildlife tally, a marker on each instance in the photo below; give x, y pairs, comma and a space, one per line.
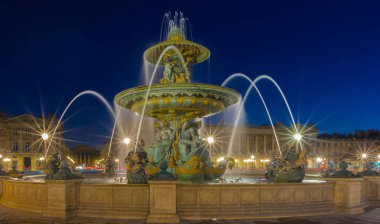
324, 54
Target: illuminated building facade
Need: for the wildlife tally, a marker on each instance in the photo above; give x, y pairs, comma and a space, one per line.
24, 139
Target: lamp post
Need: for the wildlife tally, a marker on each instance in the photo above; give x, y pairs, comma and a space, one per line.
127, 141
319, 160
364, 157
298, 138
118, 163
41, 160
7, 160
252, 161
44, 137
210, 141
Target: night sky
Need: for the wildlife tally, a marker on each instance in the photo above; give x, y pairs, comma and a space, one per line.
324, 54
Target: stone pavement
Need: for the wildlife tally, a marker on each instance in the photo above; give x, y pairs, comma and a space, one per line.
13, 216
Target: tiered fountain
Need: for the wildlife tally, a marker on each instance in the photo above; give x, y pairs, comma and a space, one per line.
178, 151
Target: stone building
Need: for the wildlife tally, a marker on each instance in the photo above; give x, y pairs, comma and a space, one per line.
353, 150
83, 154
252, 146
22, 144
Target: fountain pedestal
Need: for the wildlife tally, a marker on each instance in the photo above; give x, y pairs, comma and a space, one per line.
349, 195
372, 186
1, 184
163, 202
62, 198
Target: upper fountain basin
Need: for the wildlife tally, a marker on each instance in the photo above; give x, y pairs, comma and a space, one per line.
178, 100
188, 49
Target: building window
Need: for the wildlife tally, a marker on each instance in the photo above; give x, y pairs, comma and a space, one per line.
15, 146
15, 132
27, 146
27, 131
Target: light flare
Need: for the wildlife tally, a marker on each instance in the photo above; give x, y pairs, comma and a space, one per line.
45, 136
210, 140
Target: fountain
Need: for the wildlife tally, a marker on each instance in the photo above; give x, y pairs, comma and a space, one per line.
178, 151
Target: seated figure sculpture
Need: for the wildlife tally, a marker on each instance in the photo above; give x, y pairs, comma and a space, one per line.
189, 140
289, 168
136, 162
15, 173
330, 169
343, 172
52, 166
369, 170
58, 169
293, 169
175, 71
110, 166
160, 148
64, 173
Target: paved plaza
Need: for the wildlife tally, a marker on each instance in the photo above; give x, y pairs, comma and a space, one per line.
13, 216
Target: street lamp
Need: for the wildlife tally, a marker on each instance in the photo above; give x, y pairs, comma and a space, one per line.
210, 140
364, 157
45, 136
118, 164
6, 160
41, 162
319, 160
127, 141
297, 137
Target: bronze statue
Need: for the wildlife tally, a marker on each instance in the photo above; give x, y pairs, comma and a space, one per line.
136, 162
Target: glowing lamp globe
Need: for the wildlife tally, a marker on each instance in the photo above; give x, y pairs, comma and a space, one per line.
44, 136
297, 137
127, 141
210, 140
